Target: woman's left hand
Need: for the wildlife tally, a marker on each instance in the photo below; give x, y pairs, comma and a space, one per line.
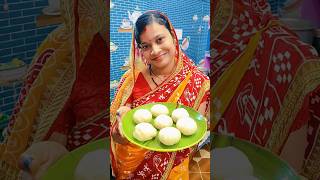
116, 131
39, 156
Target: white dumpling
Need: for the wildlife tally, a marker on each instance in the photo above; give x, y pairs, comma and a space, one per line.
187, 126
158, 109
230, 162
179, 113
169, 136
85, 170
162, 121
144, 131
142, 115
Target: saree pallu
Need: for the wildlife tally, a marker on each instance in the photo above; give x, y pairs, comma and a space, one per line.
132, 162
49, 82
278, 91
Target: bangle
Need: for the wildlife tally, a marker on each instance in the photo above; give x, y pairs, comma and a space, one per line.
118, 113
25, 163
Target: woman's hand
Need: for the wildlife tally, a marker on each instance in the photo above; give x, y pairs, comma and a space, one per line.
39, 156
116, 132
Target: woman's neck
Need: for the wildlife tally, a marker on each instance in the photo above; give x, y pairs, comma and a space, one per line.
168, 70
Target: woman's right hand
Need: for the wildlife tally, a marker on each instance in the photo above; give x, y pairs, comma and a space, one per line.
116, 131
39, 156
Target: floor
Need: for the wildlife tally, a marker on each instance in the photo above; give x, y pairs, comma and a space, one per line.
199, 167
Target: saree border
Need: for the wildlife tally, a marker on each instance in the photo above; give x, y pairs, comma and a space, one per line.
305, 81
204, 88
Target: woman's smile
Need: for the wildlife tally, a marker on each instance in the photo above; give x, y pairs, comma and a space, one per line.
159, 57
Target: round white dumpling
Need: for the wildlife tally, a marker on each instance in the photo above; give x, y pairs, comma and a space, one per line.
162, 121
187, 126
179, 113
169, 136
158, 109
231, 163
144, 131
85, 170
142, 115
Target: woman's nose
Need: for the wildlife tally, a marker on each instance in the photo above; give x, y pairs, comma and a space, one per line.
155, 50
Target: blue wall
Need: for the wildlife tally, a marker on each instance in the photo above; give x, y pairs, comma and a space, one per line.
180, 13
19, 38
276, 5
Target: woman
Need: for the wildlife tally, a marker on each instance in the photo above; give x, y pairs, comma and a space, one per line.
272, 100
159, 72
62, 104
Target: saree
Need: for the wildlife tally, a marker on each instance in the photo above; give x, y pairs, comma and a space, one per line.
53, 83
275, 80
186, 85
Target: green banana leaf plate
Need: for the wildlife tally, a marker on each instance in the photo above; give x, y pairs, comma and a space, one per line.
266, 165
65, 167
186, 141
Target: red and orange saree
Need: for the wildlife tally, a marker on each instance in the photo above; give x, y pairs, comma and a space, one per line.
265, 80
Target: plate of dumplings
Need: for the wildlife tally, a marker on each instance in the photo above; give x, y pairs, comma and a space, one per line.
164, 127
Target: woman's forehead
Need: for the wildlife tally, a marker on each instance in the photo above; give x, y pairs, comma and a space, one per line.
152, 31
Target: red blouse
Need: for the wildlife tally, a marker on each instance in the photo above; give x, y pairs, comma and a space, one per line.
141, 88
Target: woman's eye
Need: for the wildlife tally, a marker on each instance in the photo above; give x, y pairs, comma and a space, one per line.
159, 40
144, 47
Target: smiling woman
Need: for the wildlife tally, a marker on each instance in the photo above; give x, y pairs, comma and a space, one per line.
157, 46
160, 72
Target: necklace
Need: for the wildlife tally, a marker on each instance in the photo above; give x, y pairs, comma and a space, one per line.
150, 73
157, 76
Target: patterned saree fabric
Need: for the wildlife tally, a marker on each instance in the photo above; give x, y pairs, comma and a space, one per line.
270, 93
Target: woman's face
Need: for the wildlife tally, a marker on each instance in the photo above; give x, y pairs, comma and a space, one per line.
157, 46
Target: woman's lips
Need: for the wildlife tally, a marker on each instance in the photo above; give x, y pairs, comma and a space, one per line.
159, 57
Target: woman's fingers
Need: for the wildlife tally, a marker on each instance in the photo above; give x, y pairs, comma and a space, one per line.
116, 131
116, 135
42, 170
122, 111
39, 156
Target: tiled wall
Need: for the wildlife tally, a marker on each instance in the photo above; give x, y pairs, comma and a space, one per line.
18, 32
9, 94
276, 5
19, 38
180, 12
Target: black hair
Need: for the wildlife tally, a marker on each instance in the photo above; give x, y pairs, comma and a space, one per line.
146, 19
